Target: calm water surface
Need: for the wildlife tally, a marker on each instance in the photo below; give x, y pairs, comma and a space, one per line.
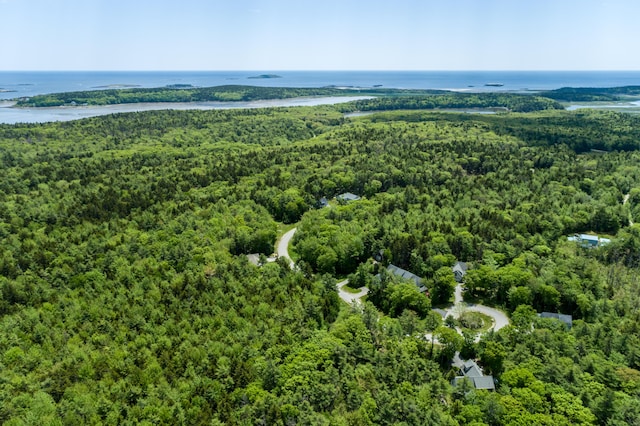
19, 84
9, 115
24, 84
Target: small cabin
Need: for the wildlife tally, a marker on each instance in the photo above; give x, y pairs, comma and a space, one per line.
347, 196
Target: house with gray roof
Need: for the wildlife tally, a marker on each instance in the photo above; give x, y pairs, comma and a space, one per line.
459, 271
398, 271
347, 196
471, 371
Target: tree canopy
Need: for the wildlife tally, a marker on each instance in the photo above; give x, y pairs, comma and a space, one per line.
126, 295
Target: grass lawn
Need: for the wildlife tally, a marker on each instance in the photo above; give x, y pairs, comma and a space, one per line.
476, 322
352, 290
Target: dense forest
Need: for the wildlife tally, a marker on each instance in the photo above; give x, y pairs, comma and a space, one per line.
592, 94
175, 94
126, 296
386, 99
453, 100
187, 93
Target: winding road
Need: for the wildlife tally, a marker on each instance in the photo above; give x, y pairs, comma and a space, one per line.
500, 320
283, 246
282, 250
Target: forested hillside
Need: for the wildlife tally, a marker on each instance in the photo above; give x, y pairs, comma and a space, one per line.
126, 296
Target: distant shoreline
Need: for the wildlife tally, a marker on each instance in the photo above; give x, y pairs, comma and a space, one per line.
262, 103
33, 83
10, 114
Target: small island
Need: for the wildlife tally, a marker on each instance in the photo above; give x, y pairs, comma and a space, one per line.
179, 86
264, 76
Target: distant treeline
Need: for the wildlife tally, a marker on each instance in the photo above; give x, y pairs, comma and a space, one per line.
175, 94
582, 131
591, 94
453, 100
187, 93
387, 99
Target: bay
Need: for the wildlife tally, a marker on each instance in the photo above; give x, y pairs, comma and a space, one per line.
9, 115
19, 84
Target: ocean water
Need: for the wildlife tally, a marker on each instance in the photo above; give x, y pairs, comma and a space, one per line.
15, 84
20, 84
9, 115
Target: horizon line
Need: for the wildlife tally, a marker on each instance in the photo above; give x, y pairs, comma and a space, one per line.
321, 70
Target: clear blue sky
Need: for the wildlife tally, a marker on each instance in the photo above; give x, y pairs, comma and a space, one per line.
320, 35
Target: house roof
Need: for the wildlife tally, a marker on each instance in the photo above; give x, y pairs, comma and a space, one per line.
471, 369
484, 382
589, 240
254, 258
348, 196
396, 270
461, 267
459, 271
567, 319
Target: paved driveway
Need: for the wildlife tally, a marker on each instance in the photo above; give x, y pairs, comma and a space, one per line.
350, 297
283, 245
